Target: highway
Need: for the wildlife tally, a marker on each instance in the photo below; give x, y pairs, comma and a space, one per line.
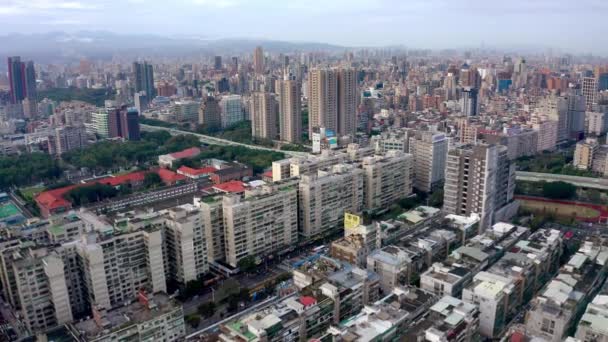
584, 182
222, 142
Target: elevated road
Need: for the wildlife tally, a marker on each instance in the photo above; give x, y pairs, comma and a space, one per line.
583, 182
221, 142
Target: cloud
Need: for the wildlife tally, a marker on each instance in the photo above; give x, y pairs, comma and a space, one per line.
36, 6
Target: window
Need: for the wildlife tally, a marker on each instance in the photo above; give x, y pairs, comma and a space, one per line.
548, 326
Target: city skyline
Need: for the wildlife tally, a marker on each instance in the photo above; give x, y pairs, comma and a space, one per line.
473, 23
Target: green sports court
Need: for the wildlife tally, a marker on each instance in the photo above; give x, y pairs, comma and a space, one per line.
8, 209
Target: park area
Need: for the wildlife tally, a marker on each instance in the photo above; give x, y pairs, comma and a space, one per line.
566, 209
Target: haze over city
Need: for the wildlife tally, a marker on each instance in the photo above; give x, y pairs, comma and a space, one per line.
571, 26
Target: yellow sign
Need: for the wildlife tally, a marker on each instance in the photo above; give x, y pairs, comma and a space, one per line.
351, 221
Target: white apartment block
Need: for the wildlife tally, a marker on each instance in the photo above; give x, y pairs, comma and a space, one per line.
393, 266
430, 151
265, 221
324, 197
388, 179
597, 123
231, 107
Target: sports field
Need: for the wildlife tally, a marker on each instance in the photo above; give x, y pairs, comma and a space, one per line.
8, 210
581, 211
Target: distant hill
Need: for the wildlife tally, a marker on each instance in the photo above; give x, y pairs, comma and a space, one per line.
61, 46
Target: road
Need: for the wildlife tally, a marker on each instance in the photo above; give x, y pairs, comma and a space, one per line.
584, 182
222, 142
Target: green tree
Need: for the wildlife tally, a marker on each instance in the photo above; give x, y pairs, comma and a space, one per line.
559, 190
207, 309
247, 264
193, 320
152, 180
436, 198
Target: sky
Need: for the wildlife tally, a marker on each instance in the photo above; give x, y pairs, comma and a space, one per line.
569, 25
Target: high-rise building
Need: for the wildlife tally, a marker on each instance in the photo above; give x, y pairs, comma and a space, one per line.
597, 123
217, 62
100, 123
584, 153
333, 99
326, 195
210, 113
67, 138
470, 181
322, 99
30, 82
387, 179
232, 110
429, 150
469, 101
289, 95
555, 108
348, 96
263, 111
576, 115
144, 79
589, 88
129, 124
264, 222
16, 77
259, 64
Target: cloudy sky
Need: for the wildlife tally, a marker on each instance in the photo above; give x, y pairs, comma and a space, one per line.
574, 25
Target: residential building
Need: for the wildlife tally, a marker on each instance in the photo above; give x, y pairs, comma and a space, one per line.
263, 111
210, 114
470, 182
450, 319
186, 111
593, 324
585, 153
325, 196
67, 138
231, 110
264, 222
388, 178
259, 62
290, 109
156, 317
389, 319
597, 123
555, 311
429, 150
392, 264
547, 134
589, 90
348, 96
322, 99
395, 139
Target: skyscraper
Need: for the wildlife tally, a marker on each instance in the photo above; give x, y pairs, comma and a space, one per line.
322, 99
590, 90
258, 60
348, 95
16, 76
217, 62
129, 123
290, 111
469, 102
30, 82
144, 79
263, 113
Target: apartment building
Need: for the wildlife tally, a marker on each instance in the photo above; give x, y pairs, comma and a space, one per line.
470, 183
118, 262
555, 310
324, 197
392, 140
263, 222
429, 150
585, 153
450, 319
593, 325
393, 266
34, 283
387, 179
185, 243
389, 319
151, 318
596, 123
